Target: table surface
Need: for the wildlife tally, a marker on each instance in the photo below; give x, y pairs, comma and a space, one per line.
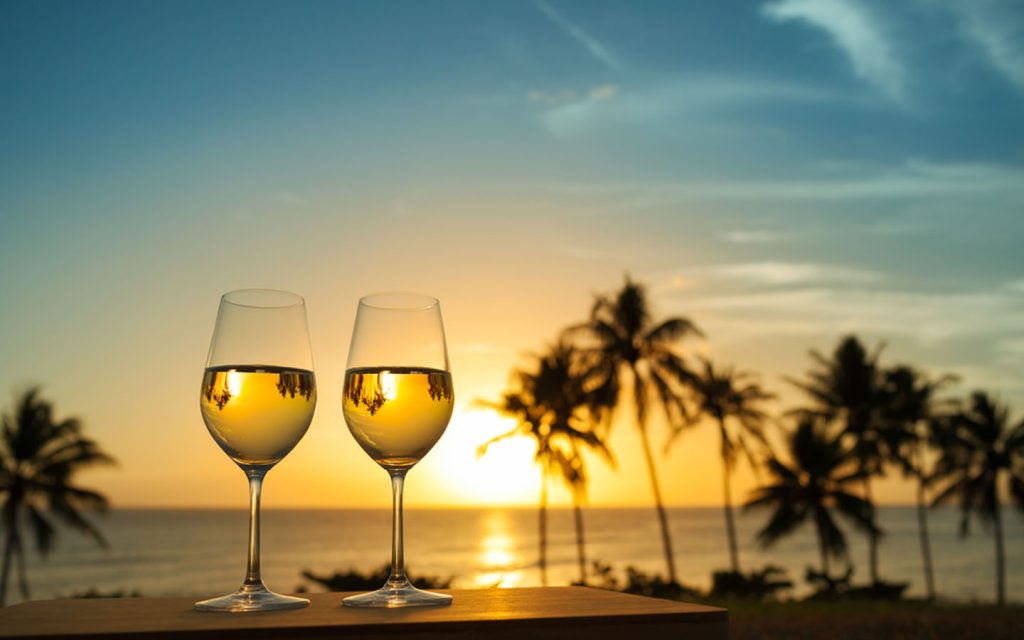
550, 612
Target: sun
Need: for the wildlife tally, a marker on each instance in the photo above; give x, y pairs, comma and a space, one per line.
234, 382
505, 475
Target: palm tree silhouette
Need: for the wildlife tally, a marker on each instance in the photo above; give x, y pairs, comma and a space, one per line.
911, 410
813, 487
38, 459
847, 388
574, 473
980, 448
553, 409
563, 384
634, 352
732, 400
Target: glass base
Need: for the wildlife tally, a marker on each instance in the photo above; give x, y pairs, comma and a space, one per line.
252, 598
393, 596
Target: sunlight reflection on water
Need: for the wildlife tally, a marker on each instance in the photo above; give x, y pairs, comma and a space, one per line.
497, 554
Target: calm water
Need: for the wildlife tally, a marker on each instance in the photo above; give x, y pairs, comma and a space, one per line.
202, 552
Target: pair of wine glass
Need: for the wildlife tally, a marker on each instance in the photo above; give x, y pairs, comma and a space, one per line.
259, 393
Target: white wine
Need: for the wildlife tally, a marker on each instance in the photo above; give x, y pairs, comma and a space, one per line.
256, 413
396, 414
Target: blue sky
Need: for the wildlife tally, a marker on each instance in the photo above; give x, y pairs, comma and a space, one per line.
782, 171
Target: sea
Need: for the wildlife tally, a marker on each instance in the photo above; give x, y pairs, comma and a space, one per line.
201, 553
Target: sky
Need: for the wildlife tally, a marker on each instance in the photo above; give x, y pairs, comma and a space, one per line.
782, 172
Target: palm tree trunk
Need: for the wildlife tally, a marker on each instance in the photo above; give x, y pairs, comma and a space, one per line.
581, 552
825, 569
5, 573
997, 519
872, 537
19, 556
926, 549
543, 526
730, 525
666, 536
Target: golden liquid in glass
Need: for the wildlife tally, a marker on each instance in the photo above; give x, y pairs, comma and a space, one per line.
257, 414
397, 414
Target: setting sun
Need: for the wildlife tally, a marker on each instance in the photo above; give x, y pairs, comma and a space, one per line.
503, 476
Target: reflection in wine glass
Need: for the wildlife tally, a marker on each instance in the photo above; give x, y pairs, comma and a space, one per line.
257, 399
397, 401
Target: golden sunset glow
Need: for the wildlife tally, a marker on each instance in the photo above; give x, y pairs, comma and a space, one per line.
504, 476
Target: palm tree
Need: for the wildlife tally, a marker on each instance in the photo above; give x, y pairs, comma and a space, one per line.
38, 459
573, 423
847, 387
911, 411
979, 449
813, 487
631, 351
574, 472
552, 408
732, 400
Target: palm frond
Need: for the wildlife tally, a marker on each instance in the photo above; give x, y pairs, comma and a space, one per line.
75, 455
672, 330
784, 520
482, 449
673, 365
857, 511
66, 511
1017, 488
831, 536
42, 530
78, 497
671, 403
769, 496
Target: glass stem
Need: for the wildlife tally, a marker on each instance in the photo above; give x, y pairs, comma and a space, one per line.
398, 577
252, 571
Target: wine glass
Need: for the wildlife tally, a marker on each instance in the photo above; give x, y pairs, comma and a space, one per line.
397, 401
257, 400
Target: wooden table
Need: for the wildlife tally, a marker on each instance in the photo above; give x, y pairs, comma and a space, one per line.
494, 614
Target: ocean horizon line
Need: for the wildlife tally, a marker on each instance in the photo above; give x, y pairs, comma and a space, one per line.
463, 507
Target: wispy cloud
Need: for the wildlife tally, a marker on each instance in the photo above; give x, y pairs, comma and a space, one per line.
766, 273
781, 273
817, 310
754, 236
559, 97
857, 34
991, 25
912, 179
607, 105
587, 41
